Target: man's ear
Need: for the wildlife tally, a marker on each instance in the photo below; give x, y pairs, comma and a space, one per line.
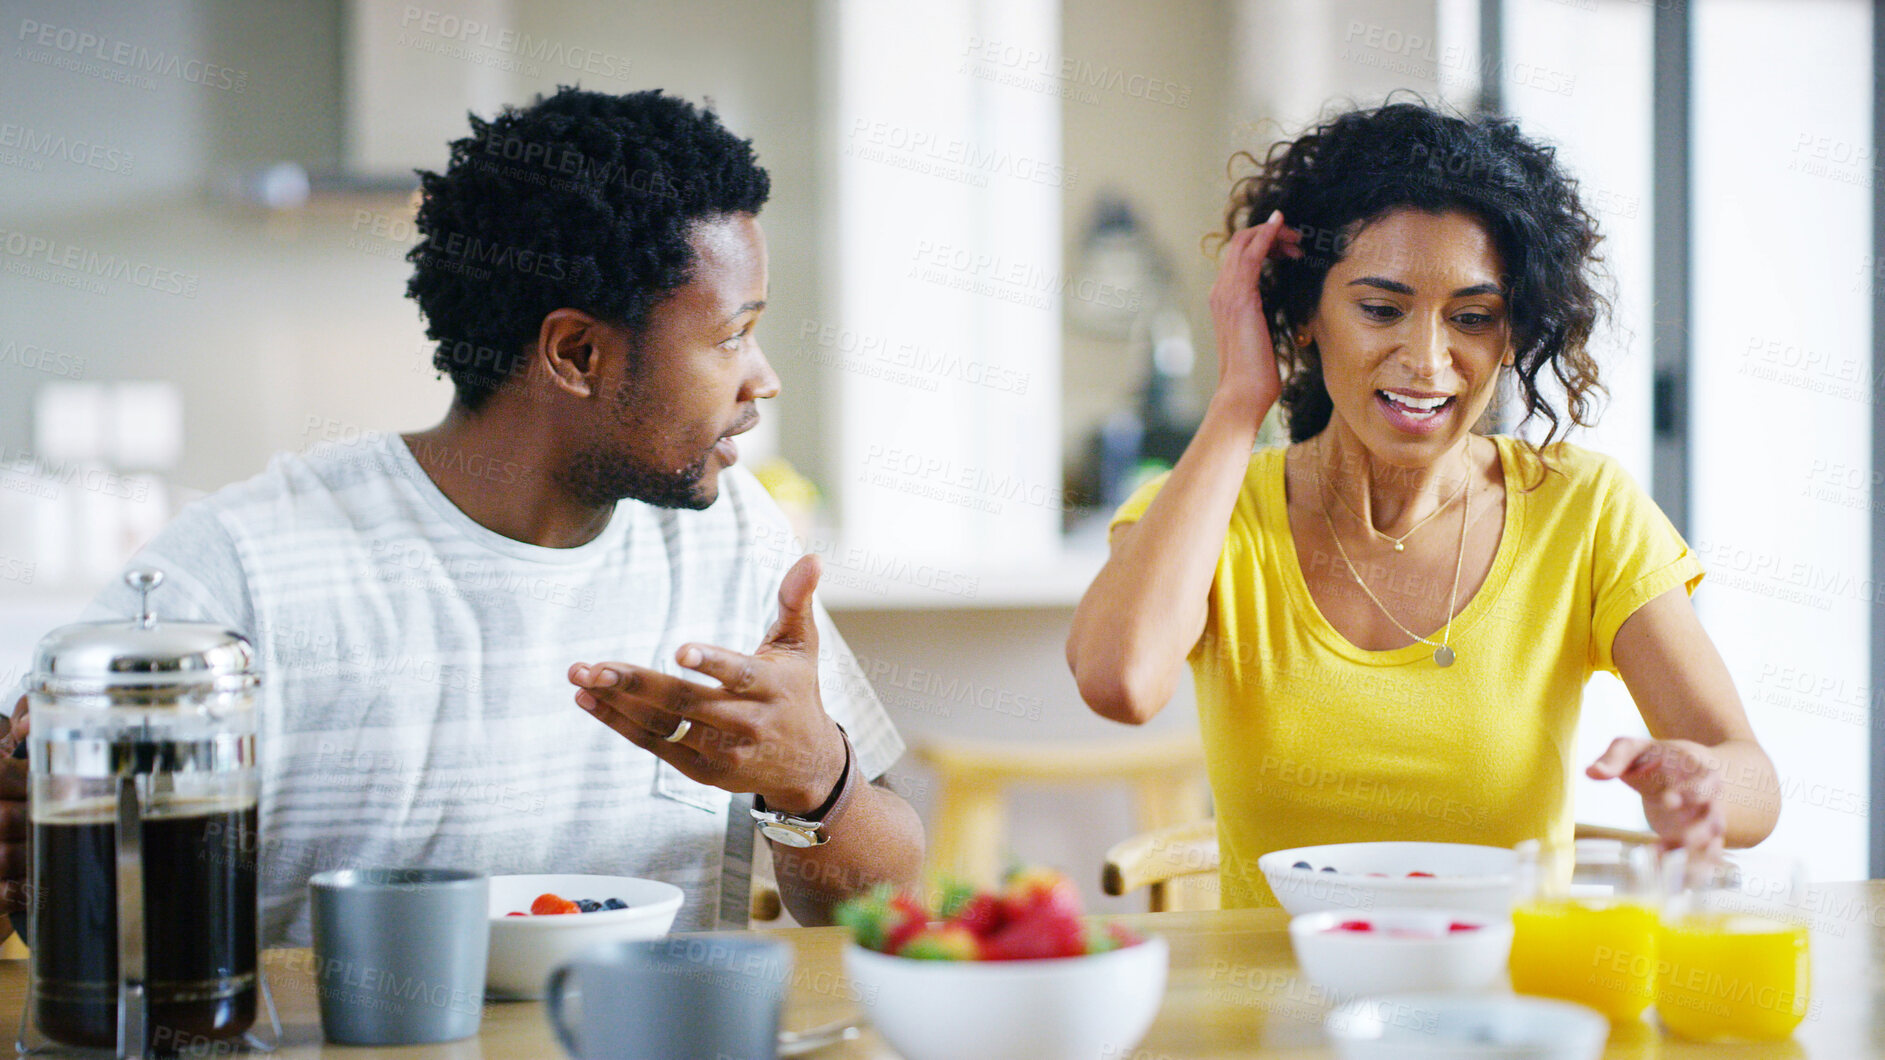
566, 347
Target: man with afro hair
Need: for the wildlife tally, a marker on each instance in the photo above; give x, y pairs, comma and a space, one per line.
560, 631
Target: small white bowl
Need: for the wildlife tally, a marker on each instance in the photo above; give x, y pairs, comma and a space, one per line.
1066, 1008
1464, 1027
1465, 876
1387, 960
526, 949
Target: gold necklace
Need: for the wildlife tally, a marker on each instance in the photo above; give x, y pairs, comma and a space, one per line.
1443, 654
1400, 543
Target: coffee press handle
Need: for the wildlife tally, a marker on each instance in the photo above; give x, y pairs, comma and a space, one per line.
133, 1025
553, 999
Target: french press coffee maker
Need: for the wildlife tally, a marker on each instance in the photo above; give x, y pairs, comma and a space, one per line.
143, 806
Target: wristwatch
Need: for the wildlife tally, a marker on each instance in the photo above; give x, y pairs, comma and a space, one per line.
791, 830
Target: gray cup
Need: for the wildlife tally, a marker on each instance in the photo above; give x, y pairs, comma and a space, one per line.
399, 954
677, 998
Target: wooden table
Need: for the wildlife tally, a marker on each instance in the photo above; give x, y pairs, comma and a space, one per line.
1234, 992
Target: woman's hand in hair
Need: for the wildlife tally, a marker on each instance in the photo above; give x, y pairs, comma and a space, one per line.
1246, 358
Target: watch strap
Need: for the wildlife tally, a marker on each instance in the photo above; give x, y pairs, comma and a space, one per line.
834, 803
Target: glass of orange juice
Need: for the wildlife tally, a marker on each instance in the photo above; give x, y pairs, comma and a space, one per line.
1734, 961
1586, 925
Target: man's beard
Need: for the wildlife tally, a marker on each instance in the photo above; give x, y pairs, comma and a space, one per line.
598, 479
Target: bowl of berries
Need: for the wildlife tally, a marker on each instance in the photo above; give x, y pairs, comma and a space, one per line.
1358, 877
542, 921
1013, 974
1399, 950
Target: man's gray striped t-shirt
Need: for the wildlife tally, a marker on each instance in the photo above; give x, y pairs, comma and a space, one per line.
417, 710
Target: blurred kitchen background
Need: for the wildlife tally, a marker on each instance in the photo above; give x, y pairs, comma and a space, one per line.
989, 260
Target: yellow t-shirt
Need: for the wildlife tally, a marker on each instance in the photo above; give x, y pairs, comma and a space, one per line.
1309, 739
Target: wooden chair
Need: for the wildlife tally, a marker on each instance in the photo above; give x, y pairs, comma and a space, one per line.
1168, 862
1177, 864
1165, 775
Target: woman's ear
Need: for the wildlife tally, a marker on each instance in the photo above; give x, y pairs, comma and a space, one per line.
1303, 335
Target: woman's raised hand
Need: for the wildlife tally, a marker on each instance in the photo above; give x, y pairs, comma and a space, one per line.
1246, 358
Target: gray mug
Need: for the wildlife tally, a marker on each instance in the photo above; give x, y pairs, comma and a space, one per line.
676, 998
399, 954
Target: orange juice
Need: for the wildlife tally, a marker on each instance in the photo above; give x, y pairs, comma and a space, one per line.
1600, 953
1729, 975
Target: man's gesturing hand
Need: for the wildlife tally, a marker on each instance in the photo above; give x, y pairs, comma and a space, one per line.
763, 730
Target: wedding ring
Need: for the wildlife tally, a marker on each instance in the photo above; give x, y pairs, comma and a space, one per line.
679, 731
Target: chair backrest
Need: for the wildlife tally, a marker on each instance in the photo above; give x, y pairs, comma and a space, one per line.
1163, 773
1178, 864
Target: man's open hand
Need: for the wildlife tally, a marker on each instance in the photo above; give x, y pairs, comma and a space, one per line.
763, 729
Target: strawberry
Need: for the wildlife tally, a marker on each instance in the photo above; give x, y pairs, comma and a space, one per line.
883, 918
1042, 931
1353, 925
982, 915
954, 895
1030, 889
1100, 940
1124, 935
908, 918
945, 942
550, 905
868, 916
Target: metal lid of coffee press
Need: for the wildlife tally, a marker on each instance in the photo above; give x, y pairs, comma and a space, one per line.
145, 654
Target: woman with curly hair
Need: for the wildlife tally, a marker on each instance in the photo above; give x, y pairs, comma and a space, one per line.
1391, 620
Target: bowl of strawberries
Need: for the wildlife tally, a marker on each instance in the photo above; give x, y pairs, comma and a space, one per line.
1012, 974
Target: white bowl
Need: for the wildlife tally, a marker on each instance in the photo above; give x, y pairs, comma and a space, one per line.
525, 949
1461, 1027
1436, 959
1067, 1008
1483, 879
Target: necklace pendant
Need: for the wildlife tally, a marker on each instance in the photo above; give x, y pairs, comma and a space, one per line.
1400, 547
1443, 656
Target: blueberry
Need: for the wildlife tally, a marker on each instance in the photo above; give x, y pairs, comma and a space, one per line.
1302, 865
615, 903
588, 905
1328, 868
